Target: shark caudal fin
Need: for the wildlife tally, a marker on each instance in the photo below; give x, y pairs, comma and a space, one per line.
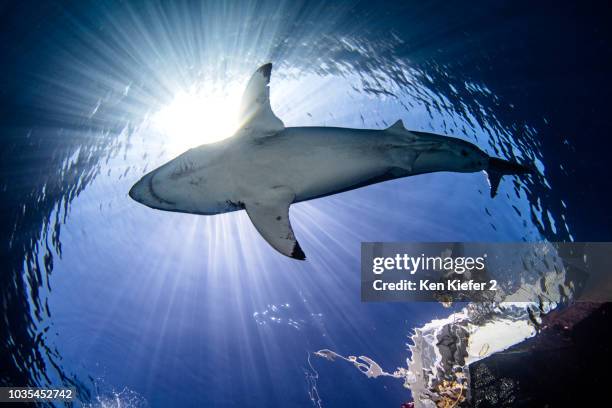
498, 168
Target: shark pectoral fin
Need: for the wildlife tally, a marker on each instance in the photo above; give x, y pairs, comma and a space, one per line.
270, 215
255, 110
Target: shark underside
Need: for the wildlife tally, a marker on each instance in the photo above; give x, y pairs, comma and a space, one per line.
265, 167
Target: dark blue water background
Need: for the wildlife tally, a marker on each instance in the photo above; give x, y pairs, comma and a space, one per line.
139, 307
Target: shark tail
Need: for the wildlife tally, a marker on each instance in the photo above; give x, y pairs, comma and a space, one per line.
498, 168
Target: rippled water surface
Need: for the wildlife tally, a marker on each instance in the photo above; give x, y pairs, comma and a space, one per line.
163, 309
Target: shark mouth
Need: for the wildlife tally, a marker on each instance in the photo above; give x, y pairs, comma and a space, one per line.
154, 194
144, 193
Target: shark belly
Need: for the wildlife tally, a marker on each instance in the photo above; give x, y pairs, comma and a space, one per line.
339, 175
316, 162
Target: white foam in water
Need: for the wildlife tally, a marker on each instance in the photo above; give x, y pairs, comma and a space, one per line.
442, 350
277, 314
125, 398
497, 336
312, 376
109, 397
283, 314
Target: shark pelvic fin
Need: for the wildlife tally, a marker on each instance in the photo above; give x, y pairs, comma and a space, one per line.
270, 215
494, 178
255, 110
397, 126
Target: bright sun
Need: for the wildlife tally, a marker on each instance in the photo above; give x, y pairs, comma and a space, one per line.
199, 116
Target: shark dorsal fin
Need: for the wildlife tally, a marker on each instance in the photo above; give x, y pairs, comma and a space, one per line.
255, 110
398, 125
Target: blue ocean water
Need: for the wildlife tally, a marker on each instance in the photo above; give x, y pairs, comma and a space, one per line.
137, 307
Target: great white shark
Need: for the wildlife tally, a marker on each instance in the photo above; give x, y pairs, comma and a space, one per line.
265, 167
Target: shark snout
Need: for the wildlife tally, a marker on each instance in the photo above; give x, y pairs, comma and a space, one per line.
144, 193
133, 193
140, 190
